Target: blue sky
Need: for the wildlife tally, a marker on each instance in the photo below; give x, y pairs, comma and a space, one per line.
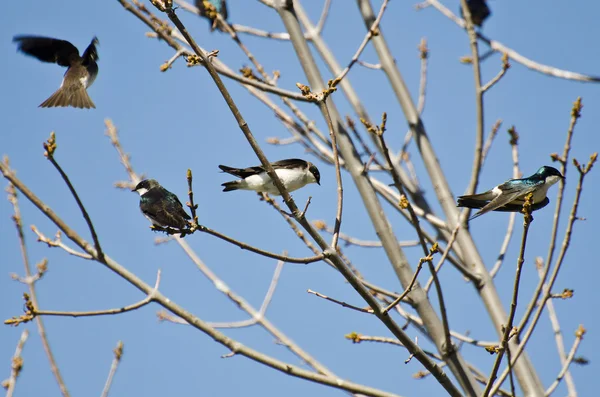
173, 121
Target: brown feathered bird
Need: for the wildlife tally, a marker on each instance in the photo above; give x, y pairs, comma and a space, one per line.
81, 70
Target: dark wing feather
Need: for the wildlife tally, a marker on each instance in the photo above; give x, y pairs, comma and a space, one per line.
289, 163
179, 208
241, 172
281, 164
91, 53
47, 49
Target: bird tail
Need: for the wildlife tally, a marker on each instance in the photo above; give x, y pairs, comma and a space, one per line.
77, 98
229, 186
469, 202
232, 171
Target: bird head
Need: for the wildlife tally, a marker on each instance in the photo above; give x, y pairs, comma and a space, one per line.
314, 172
550, 174
145, 185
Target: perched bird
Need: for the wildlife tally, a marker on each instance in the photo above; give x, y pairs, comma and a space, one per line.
479, 11
220, 6
81, 70
294, 174
510, 196
160, 206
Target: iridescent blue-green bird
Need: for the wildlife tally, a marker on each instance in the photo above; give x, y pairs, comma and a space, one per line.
160, 206
510, 196
204, 6
479, 11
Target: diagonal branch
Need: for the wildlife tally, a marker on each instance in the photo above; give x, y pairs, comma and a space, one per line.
16, 365
50, 147
118, 351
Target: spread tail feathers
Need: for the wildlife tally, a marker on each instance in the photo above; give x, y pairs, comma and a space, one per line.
229, 186
63, 97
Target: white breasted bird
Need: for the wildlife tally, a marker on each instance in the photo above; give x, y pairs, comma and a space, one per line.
510, 196
294, 174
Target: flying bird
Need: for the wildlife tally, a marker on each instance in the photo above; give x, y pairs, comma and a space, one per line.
81, 70
479, 11
220, 7
294, 174
160, 206
510, 196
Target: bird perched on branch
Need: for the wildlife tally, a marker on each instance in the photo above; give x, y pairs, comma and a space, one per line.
479, 11
210, 8
81, 70
510, 196
294, 174
160, 206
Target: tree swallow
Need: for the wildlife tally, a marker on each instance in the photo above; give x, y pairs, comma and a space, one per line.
220, 6
81, 70
160, 206
510, 196
294, 174
479, 11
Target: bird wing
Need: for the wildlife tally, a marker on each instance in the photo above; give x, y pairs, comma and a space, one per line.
246, 172
241, 172
509, 194
178, 208
91, 52
47, 49
485, 196
289, 163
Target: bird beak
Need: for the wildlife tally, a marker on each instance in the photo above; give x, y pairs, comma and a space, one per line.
134, 190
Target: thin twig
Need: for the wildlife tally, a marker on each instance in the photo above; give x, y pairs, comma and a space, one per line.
50, 147
259, 251
405, 203
372, 31
349, 240
567, 362
341, 303
410, 286
16, 365
33, 311
323, 17
118, 352
514, 55
558, 335
12, 197
57, 242
563, 160
508, 327
490, 139
338, 176
479, 115
444, 256
263, 308
501, 73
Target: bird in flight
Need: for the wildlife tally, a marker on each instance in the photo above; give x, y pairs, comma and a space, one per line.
81, 70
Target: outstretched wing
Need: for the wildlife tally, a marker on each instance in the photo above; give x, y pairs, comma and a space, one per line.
47, 49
